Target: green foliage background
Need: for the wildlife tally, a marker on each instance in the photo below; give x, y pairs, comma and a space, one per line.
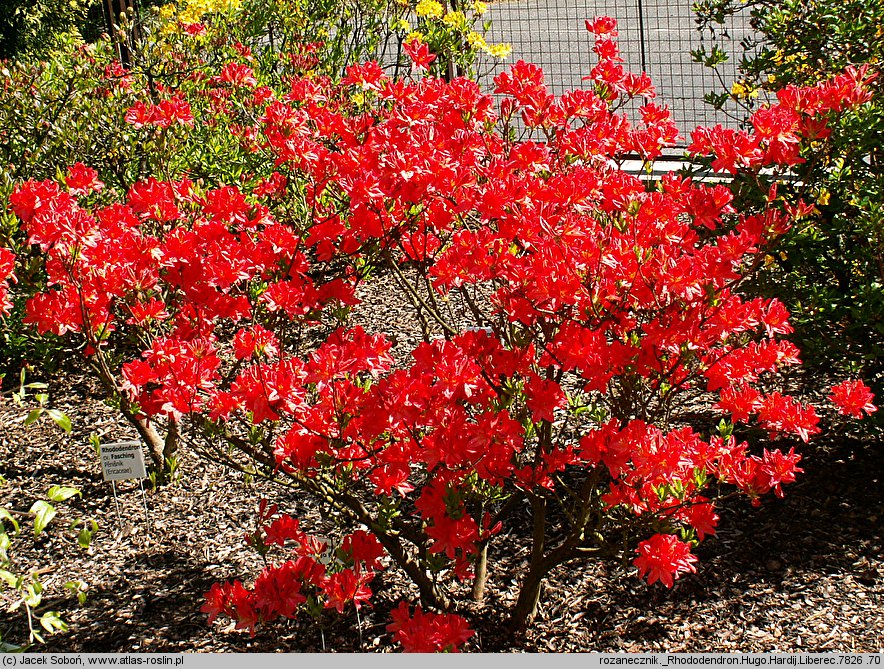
830, 270
30, 28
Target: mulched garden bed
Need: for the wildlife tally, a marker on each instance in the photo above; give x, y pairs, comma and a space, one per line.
804, 573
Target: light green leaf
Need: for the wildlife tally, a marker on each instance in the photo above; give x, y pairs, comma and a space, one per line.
52, 622
84, 537
5, 515
59, 493
34, 593
43, 512
33, 416
61, 419
9, 578
95, 441
79, 589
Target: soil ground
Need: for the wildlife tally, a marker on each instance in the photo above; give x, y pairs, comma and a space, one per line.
804, 573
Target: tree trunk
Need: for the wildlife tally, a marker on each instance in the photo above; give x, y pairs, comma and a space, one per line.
158, 449
112, 11
481, 576
525, 610
529, 594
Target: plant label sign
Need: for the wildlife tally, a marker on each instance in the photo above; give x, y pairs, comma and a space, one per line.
122, 460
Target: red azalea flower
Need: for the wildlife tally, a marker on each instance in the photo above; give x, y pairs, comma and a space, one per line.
664, 558
419, 53
345, 587
7, 263
82, 180
428, 632
853, 398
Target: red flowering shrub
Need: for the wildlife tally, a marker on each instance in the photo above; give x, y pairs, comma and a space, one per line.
828, 269
570, 311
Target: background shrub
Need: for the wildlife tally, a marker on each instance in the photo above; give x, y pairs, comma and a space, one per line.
830, 270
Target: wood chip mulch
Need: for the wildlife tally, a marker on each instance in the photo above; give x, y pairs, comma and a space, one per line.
803, 573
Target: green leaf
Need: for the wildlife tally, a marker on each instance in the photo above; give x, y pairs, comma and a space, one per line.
34, 593
84, 536
9, 578
52, 622
61, 419
79, 589
33, 416
59, 493
43, 512
5, 515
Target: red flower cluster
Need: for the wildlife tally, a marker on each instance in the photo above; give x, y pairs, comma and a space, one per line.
237, 74
7, 274
420, 55
116, 266
428, 632
779, 128
174, 110
280, 590
664, 558
853, 398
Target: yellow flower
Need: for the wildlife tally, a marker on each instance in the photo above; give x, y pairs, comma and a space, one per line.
743, 91
401, 25
190, 16
429, 8
476, 41
196, 9
480, 7
499, 50
455, 19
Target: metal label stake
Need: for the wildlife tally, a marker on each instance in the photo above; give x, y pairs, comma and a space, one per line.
120, 461
117, 505
146, 514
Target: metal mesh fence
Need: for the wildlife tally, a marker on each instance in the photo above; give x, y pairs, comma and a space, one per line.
656, 36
